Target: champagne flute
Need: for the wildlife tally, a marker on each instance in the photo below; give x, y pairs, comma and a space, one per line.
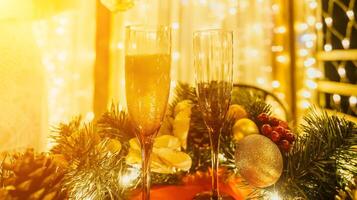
213, 60
147, 84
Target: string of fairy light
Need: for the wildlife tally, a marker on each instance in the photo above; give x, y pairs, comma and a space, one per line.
344, 38
279, 48
54, 37
221, 10
306, 30
306, 49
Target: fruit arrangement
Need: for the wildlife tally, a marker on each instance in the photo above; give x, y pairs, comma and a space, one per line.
277, 130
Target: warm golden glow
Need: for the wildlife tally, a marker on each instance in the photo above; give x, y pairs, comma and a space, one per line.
46, 68
58, 53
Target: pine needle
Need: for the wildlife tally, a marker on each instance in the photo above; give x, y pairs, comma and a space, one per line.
73, 140
321, 157
115, 124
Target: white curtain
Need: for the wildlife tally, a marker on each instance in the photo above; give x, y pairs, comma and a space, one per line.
251, 21
46, 68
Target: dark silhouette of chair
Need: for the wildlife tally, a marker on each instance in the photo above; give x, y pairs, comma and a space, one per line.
265, 95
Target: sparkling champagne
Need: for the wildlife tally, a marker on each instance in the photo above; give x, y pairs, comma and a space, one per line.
147, 90
214, 99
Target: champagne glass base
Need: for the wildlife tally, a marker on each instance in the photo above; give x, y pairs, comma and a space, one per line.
208, 196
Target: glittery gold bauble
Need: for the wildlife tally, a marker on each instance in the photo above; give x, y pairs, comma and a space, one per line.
259, 160
236, 112
118, 5
244, 127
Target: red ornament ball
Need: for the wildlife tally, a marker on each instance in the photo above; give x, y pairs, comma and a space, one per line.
276, 130
263, 118
266, 129
285, 145
279, 129
289, 136
283, 124
275, 136
274, 121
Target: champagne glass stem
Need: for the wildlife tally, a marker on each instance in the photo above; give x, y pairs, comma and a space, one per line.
146, 148
214, 140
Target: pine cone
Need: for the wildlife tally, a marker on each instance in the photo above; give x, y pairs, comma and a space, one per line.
32, 177
4, 194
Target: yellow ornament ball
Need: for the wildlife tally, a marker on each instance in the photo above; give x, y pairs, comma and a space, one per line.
236, 112
114, 146
259, 161
244, 127
108, 145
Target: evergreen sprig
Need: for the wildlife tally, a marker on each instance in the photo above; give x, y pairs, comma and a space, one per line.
322, 156
74, 140
251, 100
93, 172
115, 124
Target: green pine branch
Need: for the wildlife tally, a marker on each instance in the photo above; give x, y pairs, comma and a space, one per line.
73, 140
115, 124
252, 101
322, 156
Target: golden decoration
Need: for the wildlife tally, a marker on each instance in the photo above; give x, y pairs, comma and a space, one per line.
259, 160
236, 112
166, 156
109, 145
181, 124
244, 127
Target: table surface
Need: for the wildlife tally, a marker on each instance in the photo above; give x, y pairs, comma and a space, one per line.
189, 189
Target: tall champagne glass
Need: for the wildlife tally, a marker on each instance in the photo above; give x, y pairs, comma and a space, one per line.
213, 60
147, 84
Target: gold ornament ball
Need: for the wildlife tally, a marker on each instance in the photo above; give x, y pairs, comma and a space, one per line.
244, 127
259, 160
236, 112
114, 146
108, 145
